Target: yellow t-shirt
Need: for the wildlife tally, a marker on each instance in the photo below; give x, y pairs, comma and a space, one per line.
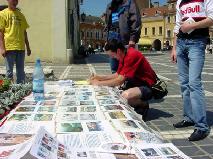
13, 24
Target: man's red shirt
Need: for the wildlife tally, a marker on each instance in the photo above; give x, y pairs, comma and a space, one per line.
135, 67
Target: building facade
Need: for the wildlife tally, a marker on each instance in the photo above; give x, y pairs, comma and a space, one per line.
92, 32
54, 28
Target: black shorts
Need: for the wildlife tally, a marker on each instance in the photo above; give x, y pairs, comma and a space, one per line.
146, 93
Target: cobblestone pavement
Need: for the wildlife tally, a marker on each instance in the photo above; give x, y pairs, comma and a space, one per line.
162, 113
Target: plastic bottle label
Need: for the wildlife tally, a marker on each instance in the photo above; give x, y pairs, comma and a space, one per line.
38, 89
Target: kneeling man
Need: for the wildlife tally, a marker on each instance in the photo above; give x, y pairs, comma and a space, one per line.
134, 70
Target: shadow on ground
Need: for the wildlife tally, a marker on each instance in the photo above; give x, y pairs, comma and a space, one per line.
155, 114
209, 118
97, 58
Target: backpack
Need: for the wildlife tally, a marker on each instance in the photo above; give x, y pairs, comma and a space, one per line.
159, 89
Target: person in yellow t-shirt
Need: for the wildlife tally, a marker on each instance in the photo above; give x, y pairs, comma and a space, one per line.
13, 39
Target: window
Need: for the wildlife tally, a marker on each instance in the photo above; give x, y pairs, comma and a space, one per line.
145, 31
168, 19
173, 5
168, 33
82, 34
153, 31
160, 30
87, 34
91, 34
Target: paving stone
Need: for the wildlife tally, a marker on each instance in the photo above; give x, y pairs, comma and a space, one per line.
202, 157
192, 151
182, 142
206, 141
208, 149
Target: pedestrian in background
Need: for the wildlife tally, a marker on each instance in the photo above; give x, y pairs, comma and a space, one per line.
123, 22
13, 39
191, 35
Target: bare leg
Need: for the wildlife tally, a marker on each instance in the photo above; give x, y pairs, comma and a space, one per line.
133, 96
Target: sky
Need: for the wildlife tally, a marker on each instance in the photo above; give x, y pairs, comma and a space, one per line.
98, 7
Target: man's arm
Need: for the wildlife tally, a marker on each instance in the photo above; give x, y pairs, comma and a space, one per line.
104, 77
203, 23
135, 23
119, 80
186, 27
173, 54
27, 43
176, 31
2, 45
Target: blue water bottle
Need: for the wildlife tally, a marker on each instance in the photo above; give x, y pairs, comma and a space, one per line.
38, 82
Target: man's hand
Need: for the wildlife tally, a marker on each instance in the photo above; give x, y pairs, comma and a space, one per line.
3, 52
28, 52
174, 56
186, 27
94, 82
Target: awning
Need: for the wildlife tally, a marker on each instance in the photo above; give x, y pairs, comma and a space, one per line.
145, 41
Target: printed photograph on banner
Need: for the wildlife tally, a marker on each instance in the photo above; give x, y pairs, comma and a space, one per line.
142, 137
6, 151
67, 117
88, 109
67, 109
71, 140
52, 93
25, 109
167, 151
115, 147
112, 107
28, 103
150, 152
81, 154
88, 117
126, 124
107, 101
84, 97
47, 109
134, 116
102, 93
10, 139
104, 97
49, 97
125, 156
117, 115
95, 126
20, 117
43, 117
87, 102
69, 127
175, 157
68, 103
70, 93
72, 98
85, 93
49, 103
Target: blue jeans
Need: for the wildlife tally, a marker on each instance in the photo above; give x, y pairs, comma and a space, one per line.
114, 63
18, 58
190, 62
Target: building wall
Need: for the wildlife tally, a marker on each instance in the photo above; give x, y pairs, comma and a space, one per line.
40, 32
153, 23
87, 29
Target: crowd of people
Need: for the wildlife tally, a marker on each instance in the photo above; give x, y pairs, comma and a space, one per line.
130, 69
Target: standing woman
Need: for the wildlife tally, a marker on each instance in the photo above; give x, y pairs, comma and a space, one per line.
193, 19
123, 23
